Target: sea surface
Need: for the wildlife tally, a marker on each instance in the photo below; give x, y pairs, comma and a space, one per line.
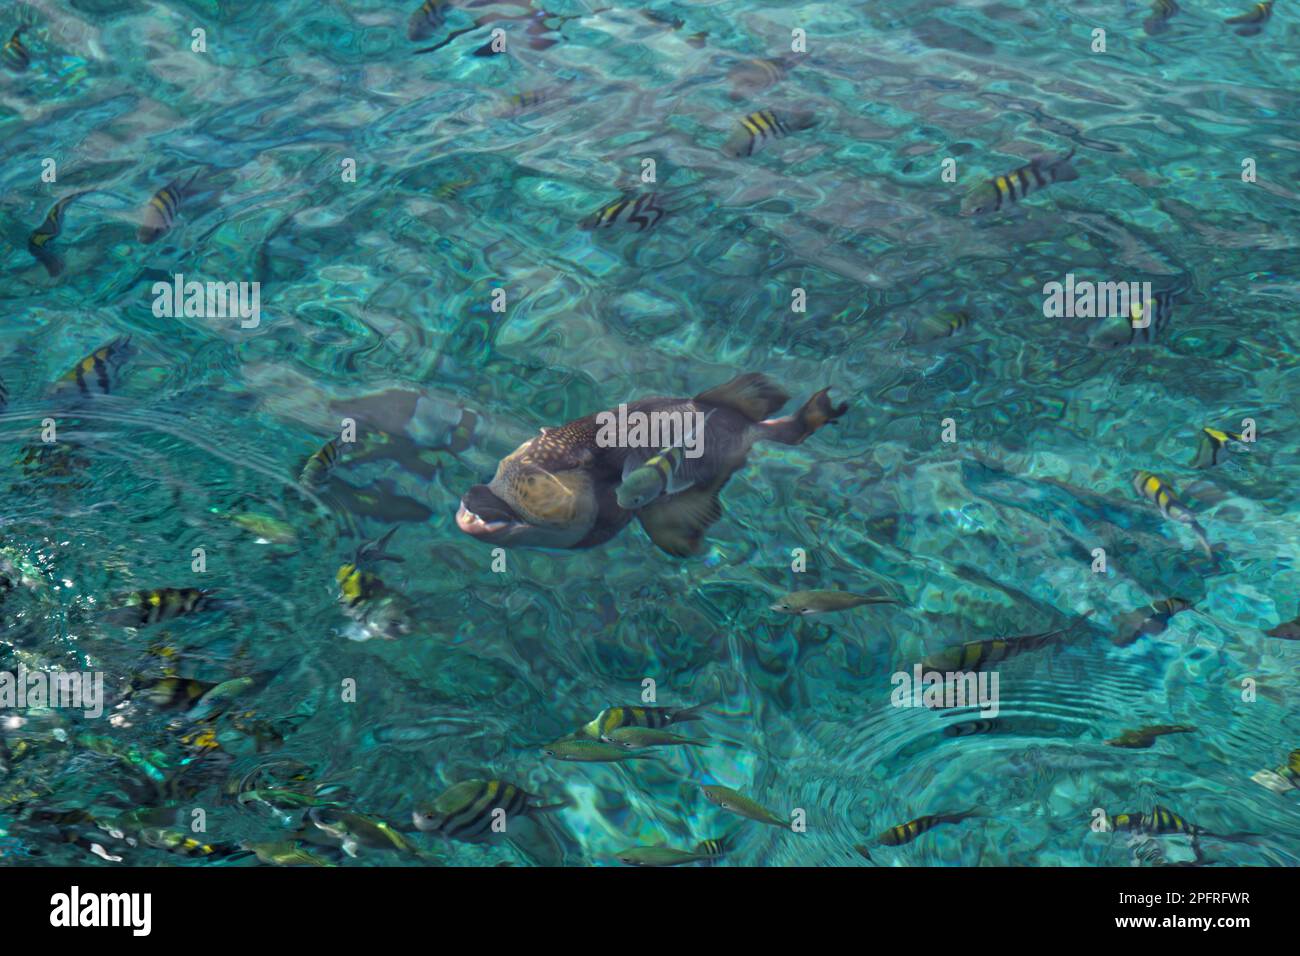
422, 270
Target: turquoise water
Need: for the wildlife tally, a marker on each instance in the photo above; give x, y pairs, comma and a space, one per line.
376, 303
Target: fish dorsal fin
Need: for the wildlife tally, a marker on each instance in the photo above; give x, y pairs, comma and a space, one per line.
753, 395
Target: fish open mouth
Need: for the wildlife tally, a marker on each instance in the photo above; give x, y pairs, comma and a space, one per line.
482, 513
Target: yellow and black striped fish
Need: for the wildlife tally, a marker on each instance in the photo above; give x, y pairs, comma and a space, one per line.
1292, 769
1160, 820
1144, 328
761, 127
909, 831
377, 610
178, 841
642, 211
320, 464
1156, 489
452, 189
712, 848
357, 586
1138, 327
1002, 191
430, 16
974, 655
654, 717
14, 54
1254, 19
1162, 11
525, 101
38, 242
97, 373
160, 212
162, 604
1211, 445
173, 692
49, 230
53, 460
467, 810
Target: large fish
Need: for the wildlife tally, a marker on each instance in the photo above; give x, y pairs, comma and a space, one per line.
559, 490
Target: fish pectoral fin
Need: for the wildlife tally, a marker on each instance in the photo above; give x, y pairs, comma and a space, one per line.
676, 524
753, 395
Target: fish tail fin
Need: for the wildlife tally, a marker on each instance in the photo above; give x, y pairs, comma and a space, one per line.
800, 119
376, 550
52, 261
212, 602
1207, 449
1062, 170
696, 712
793, 429
550, 807
1202, 539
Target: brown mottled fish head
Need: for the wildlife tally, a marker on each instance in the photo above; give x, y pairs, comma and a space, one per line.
542, 496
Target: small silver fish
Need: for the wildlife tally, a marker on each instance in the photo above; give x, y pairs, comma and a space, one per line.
822, 602
635, 738
667, 856
591, 751
739, 804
